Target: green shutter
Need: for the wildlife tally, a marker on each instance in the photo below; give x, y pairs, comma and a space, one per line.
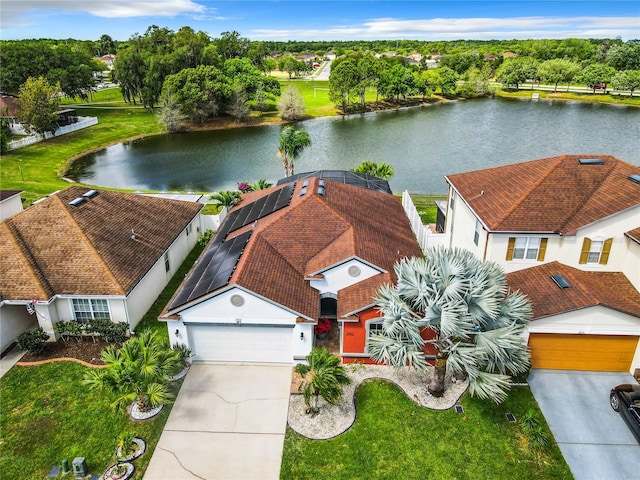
606, 249
511, 247
584, 254
543, 249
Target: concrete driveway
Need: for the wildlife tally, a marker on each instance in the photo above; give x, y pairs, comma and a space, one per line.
228, 422
595, 440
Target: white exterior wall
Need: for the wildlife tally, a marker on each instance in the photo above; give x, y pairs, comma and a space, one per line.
461, 226
596, 320
338, 278
254, 311
499, 242
14, 320
10, 206
632, 262
145, 293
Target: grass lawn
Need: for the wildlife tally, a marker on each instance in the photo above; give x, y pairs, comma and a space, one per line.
37, 169
393, 438
48, 415
425, 204
581, 97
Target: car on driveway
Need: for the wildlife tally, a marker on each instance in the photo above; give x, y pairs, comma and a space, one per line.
625, 399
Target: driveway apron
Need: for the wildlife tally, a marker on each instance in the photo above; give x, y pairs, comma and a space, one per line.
228, 422
595, 440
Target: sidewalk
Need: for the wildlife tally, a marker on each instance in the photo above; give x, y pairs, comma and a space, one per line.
10, 359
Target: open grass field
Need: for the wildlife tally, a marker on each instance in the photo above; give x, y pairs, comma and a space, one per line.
393, 438
580, 97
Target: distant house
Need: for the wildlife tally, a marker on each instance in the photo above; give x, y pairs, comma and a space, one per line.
317, 245
108, 60
81, 254
10, 203
581, 320
8, 107
509, 55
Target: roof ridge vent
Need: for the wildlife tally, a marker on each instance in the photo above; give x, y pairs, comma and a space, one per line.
591, 161
560, 281
635, 178
90, 194
76, 202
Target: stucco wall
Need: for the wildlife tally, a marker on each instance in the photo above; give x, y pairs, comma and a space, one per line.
10, 207
14, 320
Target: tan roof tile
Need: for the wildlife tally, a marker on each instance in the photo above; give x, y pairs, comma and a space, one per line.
634, 234
555, 194
88, 249
610, 289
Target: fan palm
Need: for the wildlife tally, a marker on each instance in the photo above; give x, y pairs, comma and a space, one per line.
260, 185
478, 323
292, 143
380, 170
322, 376
137, 372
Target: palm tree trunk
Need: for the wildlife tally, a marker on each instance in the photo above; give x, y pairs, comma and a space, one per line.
436, 386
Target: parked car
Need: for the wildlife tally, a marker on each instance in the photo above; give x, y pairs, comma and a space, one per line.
626, 400
598, 86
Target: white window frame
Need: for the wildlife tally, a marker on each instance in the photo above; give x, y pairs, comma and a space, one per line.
188, 229
529, 250
377, 323
91, 310
594, 255
476, 234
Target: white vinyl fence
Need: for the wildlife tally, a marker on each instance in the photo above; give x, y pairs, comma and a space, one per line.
83, 122
426, 238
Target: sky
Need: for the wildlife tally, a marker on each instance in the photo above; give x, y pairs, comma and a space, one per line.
282, 20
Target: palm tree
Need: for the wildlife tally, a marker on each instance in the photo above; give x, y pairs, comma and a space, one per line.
228, 198
478, 323
260, 185
380, 170
321, 376
137, 372
292, 143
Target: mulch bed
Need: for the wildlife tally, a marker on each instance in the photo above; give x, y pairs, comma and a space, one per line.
86, 350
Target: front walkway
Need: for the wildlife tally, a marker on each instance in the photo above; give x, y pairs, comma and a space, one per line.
228, 422
10, 359
334, 420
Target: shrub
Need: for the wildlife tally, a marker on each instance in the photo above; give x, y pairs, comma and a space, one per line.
33, 340
112, 332
205, 237
534, 431
184, 353
323, 326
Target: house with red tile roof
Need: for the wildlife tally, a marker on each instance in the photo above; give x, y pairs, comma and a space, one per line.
81, 254
578, 211
315, 245
582, 320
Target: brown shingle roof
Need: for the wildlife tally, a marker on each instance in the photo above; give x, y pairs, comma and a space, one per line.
314, 233
88, 249
5, 194
555, 194
610, 289
634, 234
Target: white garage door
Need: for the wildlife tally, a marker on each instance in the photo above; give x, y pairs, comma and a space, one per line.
241, 343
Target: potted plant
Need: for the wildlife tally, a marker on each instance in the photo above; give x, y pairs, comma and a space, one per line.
129, 448
322, 328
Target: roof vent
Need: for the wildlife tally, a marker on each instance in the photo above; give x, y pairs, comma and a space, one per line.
321, 191
90, 194
76, 202
560, 281
635, 178
305, 183
303, 191
591, 161
321, 183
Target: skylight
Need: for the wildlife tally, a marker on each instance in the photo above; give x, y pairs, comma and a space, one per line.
560, 281
76, 202
635, 178
591, 161
90, 194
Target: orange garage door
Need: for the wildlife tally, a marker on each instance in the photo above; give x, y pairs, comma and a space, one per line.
609, 353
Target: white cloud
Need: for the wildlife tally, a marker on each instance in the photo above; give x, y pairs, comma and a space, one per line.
14, 12
476, 28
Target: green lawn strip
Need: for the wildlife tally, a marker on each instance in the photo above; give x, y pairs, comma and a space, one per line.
581, 97
425, 204
37, 169
315, 94
150, 319
394, 438
48, 415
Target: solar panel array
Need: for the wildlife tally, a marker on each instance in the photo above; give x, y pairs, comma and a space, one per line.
213, 270
361, 180
257, 210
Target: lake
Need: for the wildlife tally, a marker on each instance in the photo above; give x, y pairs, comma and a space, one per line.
422, 145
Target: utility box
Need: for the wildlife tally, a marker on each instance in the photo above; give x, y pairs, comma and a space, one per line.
79, 465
